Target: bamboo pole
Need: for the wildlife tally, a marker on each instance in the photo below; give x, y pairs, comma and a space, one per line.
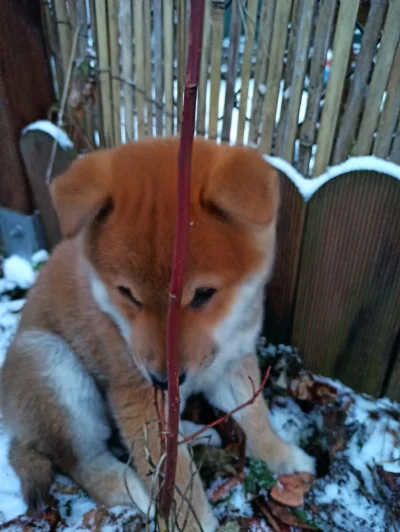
125, 19
180, 254
113, 10
205, 58
139, 66
380, 76
53, 43
278, 44
231, 73
78, 16
288, 67
322, 39
104, 72
251, 21
64, 32
261, 69
217, 25
300, 58
340, 55
358, 89
158, 65
168, 6
181, 57
148, 67
391, 111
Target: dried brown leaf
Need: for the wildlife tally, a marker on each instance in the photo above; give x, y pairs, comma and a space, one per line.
290, 489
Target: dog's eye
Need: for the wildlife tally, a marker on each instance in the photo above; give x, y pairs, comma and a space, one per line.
127, 294
202, 296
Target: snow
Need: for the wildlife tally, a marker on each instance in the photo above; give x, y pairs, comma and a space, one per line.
340, 495
19, 271
307, 187
48, 127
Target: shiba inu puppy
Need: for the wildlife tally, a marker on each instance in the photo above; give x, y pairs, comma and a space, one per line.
91, 341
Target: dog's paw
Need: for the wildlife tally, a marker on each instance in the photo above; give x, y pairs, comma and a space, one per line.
291, 459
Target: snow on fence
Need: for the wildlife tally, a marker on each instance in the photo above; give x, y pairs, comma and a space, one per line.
312, 83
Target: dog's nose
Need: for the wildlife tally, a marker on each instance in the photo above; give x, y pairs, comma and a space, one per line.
162, 382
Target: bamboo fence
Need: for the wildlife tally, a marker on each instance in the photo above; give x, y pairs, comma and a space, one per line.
265, 80
312, 82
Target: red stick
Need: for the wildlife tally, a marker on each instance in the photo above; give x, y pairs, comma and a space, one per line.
223, 418
180, 249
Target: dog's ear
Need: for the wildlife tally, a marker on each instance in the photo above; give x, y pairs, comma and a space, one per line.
81, 193
243, 187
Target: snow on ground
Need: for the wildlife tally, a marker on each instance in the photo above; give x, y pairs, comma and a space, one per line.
346, 495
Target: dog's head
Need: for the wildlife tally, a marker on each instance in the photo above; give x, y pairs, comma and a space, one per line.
122, 203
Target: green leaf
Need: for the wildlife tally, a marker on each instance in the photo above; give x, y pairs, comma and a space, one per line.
259, 477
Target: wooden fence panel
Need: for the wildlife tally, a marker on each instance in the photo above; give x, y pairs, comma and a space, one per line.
281, 289
393, 387
347, 304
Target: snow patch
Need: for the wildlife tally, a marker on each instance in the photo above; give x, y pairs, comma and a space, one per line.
307, 187
51, 129
19, 271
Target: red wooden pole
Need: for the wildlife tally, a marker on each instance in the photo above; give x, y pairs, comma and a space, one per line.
180, 251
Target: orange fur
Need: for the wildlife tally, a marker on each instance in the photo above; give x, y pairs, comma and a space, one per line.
117, 211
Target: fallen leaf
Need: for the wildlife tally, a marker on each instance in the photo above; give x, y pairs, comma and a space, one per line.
221, 491
290, 489
307, 387
284, 515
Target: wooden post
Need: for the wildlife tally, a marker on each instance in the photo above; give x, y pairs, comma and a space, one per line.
26, 93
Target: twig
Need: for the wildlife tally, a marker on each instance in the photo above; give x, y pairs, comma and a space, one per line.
160, 417
62, 105
180, 249
256, 393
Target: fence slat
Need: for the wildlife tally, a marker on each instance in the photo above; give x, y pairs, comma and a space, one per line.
64, 32
380, 76
139, 66
289, 64
113, 8
158, 66
50, 28
148, 67
168, 17
340, 56
104, 72
127, 65
260, 74
281, 20
205, 57
231, 73
282, 287
251, 20
322, 39
393, 388
181, 58
389, 116
290, 120
348, 123
347, 299
217, 25
395, 151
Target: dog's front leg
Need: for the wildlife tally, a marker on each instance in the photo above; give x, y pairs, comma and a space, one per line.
136, 416
263, 443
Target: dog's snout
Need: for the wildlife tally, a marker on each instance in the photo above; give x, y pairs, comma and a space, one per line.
161, 382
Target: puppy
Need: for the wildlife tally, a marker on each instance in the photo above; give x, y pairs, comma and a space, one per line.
91, 340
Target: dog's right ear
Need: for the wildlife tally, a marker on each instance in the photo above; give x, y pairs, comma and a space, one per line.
80, 193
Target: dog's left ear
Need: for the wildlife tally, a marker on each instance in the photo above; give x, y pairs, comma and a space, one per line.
80, 193
243, 186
